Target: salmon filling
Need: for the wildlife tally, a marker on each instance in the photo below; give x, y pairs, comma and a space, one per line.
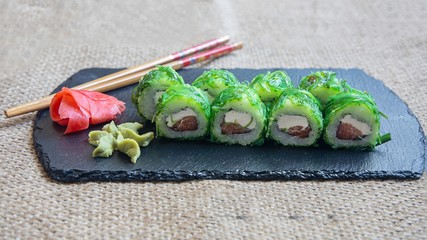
235, 122
233, 128
294, 125
188, 123
184, 120
299, 131
350, 128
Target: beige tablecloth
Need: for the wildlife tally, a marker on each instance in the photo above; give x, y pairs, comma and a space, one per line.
44, 42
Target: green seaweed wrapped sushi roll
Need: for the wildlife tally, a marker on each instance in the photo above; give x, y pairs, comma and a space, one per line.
323, 85
270, 85
352, 120
146, 95
183, 112
214, 81
238, 117
295, 119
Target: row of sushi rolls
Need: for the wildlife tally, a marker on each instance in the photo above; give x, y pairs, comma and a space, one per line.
218, 107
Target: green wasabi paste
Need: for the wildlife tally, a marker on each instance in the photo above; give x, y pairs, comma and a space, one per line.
124, 138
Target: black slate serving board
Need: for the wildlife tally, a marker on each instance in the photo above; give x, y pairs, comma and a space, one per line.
67, 158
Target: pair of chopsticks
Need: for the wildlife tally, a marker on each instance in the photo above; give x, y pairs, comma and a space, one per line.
201, 52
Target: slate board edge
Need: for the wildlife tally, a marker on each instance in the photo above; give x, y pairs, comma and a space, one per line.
138, 175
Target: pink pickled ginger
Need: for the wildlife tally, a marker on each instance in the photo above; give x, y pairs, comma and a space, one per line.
76, 109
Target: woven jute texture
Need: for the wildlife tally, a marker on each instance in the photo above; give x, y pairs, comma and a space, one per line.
44, 42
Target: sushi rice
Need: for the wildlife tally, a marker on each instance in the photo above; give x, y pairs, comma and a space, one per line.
145, 96
295, 119
214, 81
270, 85
352, 120
238, 117
323, 85
183, 112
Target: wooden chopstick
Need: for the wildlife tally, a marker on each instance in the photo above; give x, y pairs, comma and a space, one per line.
127, 79
178, 64
44, 102
172, 57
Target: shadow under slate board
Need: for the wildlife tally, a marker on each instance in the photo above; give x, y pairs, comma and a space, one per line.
67, 158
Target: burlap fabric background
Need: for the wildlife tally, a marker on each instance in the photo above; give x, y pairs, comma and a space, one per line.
44, 42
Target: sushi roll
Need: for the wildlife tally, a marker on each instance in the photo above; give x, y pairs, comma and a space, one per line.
352, 120
238, 117
295, 119
183, 112
145, 96
323, 85
269, 86
214, 81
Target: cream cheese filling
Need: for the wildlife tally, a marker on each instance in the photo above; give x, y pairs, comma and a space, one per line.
175, 117
287, 121
363, 127
243, 119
